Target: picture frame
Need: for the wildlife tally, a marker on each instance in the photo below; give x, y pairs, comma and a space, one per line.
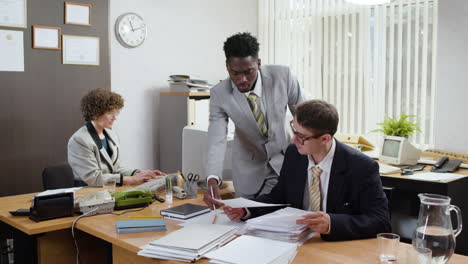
80, 50
44, 37
77, 14
14, 13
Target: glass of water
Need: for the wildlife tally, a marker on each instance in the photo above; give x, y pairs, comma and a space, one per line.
109, 185
388, 247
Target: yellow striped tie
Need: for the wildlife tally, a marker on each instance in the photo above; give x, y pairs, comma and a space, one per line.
258, 114
314, 190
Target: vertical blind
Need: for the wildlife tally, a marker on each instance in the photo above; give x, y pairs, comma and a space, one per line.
369, 61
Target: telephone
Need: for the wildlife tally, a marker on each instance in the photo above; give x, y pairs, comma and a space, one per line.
444, 164
100, 202
132, 198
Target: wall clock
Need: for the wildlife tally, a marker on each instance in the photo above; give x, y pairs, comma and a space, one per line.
130, 30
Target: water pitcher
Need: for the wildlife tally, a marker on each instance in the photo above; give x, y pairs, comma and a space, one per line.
434, 227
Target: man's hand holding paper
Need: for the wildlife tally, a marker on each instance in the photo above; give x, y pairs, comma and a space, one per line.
317, 222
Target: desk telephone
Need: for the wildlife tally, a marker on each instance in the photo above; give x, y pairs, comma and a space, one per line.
132, 198
444, 164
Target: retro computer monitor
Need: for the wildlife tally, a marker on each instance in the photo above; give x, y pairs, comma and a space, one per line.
399, 151
194, 153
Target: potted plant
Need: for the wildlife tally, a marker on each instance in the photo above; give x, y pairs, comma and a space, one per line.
402, 127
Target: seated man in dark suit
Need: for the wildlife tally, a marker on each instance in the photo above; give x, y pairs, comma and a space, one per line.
338, 184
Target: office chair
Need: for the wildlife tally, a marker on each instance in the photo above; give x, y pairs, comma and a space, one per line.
388, 192
58, 176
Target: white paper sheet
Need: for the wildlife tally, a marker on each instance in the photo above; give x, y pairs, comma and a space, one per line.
77, 14
249, 249
64, 190
221, 219
80, 50
13, 13
434, 176
46, 38
245, 203
11, 51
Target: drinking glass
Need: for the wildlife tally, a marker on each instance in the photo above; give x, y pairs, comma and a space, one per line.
109, 185
388, 247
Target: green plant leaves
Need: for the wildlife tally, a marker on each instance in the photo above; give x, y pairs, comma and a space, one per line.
402, 127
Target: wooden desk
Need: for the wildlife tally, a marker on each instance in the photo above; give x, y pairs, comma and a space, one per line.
56, 245
125, 246
405, 202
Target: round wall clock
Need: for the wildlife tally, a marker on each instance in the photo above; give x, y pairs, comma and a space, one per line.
130, 30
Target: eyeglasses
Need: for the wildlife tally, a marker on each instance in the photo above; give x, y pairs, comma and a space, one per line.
299, 136
113, 113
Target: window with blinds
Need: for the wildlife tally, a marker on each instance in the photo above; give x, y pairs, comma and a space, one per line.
369, 61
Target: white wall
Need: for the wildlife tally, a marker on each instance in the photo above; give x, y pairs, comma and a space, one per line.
451, 104
184, 37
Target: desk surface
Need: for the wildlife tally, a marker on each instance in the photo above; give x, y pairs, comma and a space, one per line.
103, 227
427, 169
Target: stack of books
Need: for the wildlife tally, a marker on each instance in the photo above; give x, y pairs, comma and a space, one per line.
189, 243
280, 225
141, 225
185, 211
249, 249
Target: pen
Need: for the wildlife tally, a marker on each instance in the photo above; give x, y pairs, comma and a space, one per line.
214, 207
145, 216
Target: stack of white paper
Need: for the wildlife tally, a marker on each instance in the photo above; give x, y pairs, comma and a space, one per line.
189, 243
280, 225
249, 249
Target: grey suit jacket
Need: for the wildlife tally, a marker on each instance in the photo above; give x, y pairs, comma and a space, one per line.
256, 159
90, 161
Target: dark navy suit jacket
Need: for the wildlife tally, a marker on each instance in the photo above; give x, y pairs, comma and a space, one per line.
356, 203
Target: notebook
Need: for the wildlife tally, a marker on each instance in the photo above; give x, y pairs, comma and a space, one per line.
143, 225
185, 211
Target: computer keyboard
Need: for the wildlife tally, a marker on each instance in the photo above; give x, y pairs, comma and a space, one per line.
154, 186
387, 169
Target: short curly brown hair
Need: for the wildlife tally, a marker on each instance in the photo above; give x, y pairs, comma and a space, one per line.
100, 101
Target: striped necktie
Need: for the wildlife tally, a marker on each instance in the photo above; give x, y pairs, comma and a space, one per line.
258, 114
315, 193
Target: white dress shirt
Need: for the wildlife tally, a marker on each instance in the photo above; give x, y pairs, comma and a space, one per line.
325, 165
257, 90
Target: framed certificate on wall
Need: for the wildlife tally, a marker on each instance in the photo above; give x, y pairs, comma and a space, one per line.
80, 50
46, 37
77, 14
13, 13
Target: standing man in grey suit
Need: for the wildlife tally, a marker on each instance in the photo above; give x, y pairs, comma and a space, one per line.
256, 99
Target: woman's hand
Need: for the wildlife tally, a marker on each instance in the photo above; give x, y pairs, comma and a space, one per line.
140, 177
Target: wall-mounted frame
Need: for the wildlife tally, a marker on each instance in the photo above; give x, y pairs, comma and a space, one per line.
46, 37
77, 14
80, 50
13, 13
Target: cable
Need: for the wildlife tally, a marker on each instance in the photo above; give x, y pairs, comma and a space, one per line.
86, 215
133, 210
73, 232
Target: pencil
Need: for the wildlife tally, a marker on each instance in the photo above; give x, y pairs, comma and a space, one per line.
145, 216
214, 207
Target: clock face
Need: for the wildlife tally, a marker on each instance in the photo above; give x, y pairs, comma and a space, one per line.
130, 30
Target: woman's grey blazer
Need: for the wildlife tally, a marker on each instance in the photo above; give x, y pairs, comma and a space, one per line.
90, 161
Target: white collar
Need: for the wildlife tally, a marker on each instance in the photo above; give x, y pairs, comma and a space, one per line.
326, 163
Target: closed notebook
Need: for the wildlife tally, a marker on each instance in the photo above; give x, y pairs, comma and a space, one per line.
143, 225
185, 211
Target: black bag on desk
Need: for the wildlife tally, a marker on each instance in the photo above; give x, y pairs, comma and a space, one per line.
52, 206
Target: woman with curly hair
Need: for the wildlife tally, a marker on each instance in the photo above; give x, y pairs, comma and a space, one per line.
93, 151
